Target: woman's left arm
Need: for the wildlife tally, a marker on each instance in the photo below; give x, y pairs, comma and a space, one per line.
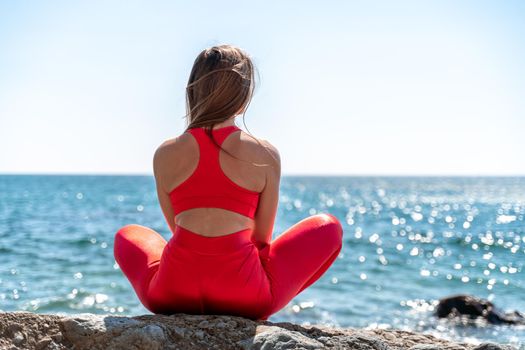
162, 193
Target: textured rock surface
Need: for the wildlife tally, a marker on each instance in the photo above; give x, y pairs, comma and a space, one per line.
25, 330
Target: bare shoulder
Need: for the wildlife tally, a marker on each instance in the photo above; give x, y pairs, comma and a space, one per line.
265, 151
169, 151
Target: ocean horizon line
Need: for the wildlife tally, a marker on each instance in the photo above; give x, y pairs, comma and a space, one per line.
350, 175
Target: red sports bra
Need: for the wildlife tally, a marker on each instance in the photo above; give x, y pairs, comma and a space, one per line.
208, 186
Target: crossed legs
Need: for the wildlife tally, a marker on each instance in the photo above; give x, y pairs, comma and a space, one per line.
293, 261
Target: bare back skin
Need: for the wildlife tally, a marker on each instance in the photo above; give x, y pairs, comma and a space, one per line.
176, 159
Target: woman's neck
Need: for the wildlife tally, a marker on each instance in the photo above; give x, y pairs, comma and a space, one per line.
228, 122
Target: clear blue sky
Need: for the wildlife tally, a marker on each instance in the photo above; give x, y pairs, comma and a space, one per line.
347, 87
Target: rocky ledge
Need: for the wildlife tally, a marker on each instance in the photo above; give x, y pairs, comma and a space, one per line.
26, 330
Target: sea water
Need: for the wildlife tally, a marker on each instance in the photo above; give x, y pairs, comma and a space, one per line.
408, 241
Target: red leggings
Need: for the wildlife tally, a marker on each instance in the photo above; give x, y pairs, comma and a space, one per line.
227, 274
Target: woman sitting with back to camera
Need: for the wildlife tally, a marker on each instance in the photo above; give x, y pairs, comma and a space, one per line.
218, 188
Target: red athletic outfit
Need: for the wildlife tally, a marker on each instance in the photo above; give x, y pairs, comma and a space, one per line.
227, 274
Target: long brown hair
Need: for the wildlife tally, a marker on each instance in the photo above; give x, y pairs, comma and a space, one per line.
221, 84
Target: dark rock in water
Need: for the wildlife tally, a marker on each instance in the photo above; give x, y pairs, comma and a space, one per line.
26, 330
467, 305
492, 346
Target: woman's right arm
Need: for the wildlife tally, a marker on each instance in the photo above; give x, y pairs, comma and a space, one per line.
268, 200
